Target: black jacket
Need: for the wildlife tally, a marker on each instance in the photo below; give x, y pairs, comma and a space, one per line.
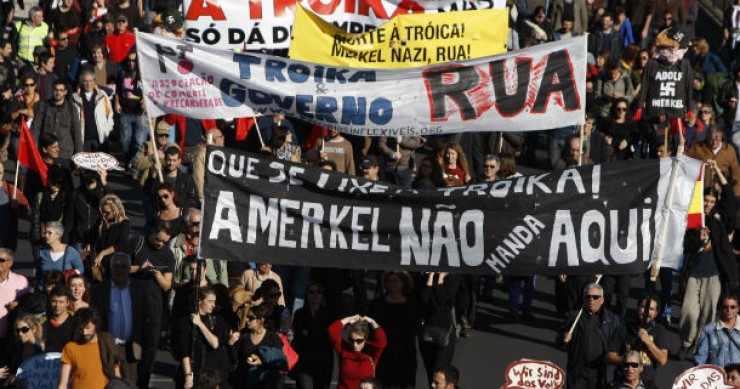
146, 311
86, 215
579, 345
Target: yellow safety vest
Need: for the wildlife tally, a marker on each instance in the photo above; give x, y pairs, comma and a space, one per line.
29, 37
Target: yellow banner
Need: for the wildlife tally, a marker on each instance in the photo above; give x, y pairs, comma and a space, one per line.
405, 41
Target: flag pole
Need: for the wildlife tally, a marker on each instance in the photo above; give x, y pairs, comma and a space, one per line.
153, 137
657, 259
259, 133
15, 180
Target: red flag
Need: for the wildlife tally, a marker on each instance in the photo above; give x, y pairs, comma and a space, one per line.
28, 154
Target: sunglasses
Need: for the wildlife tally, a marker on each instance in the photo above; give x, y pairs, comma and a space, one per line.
63, 39
358, 340
22, 330
593, 296
490, 166
30, 85
121, 21
633, 365
194, 224
3, 259
164, 135
251, 318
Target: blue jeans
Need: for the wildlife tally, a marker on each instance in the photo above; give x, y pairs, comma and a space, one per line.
132, 127
516, 288
91, 145
295, 281
401, 178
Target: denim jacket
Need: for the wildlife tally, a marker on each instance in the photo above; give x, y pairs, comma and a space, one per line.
715, 347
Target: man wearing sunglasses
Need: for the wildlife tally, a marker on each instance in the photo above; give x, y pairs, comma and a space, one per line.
719, 341
631, 374
587, 345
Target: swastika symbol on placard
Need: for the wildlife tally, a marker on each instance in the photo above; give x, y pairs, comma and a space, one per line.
668, 88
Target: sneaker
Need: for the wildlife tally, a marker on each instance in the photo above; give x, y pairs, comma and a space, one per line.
465, 332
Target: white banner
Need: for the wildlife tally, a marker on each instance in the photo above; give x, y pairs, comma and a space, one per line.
541, 87
267, 24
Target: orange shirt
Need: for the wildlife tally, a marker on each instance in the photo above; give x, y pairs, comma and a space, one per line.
87, 366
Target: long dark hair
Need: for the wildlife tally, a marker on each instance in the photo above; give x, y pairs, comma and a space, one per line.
279, 136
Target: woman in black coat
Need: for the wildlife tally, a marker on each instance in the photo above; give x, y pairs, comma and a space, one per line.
439, 330
311, 341
398, 314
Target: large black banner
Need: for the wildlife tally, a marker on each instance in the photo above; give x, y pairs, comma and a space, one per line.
594, 219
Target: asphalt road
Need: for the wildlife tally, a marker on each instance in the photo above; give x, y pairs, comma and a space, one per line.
482, 358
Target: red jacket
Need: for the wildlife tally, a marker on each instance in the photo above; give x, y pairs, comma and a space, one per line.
353, 365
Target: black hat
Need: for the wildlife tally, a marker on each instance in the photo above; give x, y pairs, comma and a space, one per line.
673, 37
121, 17
369, 161
172, 19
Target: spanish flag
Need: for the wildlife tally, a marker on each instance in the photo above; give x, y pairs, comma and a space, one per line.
696, 209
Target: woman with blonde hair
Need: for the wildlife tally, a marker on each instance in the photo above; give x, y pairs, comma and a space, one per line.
29, 337
113, 233
454, 165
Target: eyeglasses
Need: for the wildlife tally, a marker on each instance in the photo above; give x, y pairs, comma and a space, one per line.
357, 340
251, 318
633, 365
163, 197
593, 296
490, 166
22, 330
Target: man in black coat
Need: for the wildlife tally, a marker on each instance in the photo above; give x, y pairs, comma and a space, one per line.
129, 313
587, 345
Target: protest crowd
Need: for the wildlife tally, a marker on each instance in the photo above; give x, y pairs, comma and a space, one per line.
108, 295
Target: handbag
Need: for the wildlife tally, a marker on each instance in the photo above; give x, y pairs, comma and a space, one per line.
436, 335
289, 352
